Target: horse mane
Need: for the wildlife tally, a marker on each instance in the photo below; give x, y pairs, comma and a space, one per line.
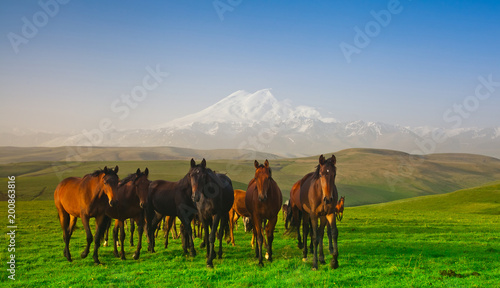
270, 170
130, 177
327, 162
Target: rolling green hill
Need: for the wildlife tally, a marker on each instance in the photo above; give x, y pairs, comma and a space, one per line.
364, 176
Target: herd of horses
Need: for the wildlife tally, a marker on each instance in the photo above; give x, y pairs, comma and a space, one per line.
210, 198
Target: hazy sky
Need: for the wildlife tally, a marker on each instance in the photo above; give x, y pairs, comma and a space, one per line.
66, 66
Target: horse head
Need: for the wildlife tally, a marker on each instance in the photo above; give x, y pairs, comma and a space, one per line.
340, 208
141, 184
326, 172
109, 183
198, 177
263, 176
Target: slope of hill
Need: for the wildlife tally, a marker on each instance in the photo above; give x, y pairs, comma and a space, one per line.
483, 199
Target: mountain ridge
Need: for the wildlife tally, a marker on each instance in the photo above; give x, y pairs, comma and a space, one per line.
260, 122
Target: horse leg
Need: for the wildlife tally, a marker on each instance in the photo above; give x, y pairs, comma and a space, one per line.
102, 222
122, 239
270, 237
115, 238
106, 236
175, 235
223, 224
305, 231
329, 234
140, 231
85, 222
152, 221
298, 217
64, 219
132, 229
231, 227
211, 243
315, 240
260, 240
321, 233
335, 234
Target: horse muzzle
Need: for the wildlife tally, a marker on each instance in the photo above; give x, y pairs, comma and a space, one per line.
340, 216
113, 202
262, 198
196, 197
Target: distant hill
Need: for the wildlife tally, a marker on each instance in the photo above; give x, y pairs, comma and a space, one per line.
32, 154
483, 199
364, 176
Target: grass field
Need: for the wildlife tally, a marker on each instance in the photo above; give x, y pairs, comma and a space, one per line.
449, 240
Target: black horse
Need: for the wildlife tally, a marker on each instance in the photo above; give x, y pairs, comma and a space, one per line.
213, 206
174, 199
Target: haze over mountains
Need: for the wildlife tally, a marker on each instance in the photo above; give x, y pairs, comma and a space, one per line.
258, 121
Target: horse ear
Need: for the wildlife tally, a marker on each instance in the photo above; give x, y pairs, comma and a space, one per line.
138, 172
116, 169
266, 164
334, 159
256, 164
193, 163
203, 163
105, 169
146, 172
322, 159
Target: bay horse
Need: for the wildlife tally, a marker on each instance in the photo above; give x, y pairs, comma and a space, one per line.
86, 197
318, 198
238, 210
132, 194
216, 199
167, 198
263, 201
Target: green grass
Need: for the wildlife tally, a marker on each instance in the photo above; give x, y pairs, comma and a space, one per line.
420, 242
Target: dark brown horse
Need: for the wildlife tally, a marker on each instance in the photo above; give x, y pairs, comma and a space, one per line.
132, 194
239, 209
263, 201
86, 197
167, 198
318, 198
213, 206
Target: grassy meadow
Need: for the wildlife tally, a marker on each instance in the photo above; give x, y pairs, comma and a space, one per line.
449, 240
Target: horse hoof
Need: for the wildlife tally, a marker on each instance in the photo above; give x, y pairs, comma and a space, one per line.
261, 264
322, 262
267, 255
300, 246
136, 256
105, 244
84, 255
211, 266
304, 259
334, 265
123, 257
116, 254
314, 269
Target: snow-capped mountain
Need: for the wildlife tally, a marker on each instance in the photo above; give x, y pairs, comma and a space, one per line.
258, 121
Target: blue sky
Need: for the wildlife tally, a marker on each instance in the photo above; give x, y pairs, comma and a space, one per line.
71, 72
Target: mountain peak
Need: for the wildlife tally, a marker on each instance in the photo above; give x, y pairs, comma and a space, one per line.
244, 108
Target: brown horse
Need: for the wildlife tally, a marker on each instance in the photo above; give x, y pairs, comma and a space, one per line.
239, 209
132, 194
86, 198
263, 201
340, 208
318, 198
